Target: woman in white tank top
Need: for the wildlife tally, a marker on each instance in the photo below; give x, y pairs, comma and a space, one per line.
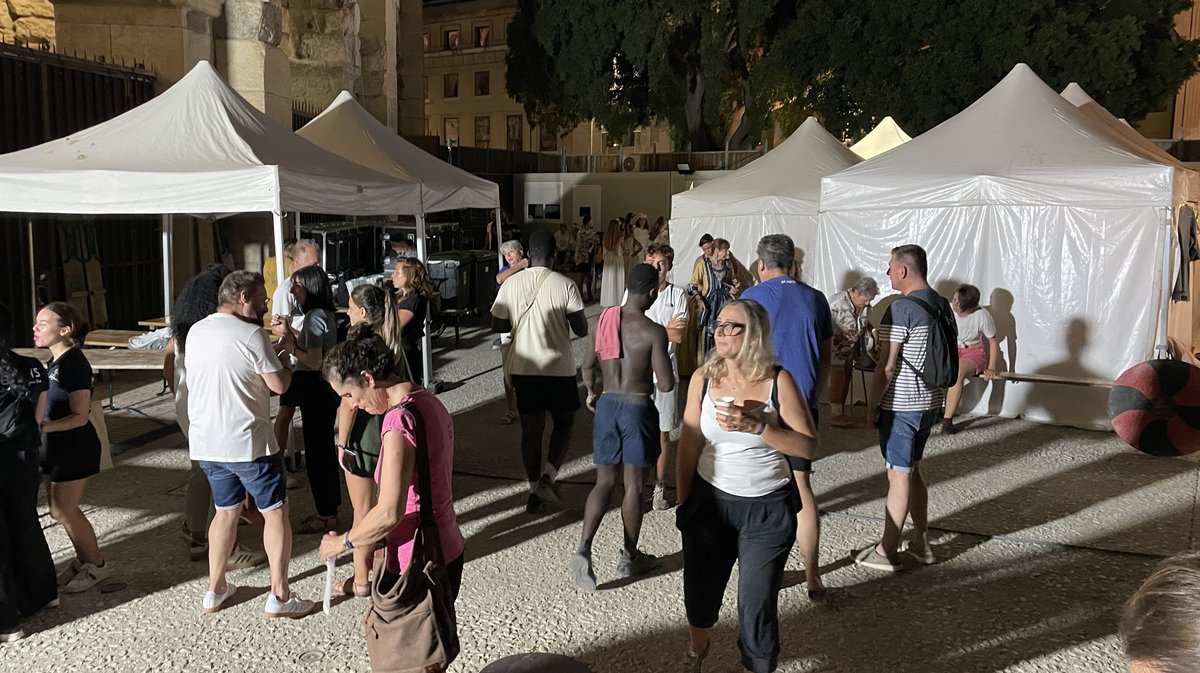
737, 501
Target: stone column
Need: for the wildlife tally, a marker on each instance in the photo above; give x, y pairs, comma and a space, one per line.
322, 43
412, 69
167, 37
249, 35
377, 38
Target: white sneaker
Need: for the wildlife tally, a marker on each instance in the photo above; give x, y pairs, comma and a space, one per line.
10, 636
243, 557
293, 608
70, 572
919, 549
660, 501
88, 577
213, 601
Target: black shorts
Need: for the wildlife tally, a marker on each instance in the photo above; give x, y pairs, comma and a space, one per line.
803, 464
538, 394
72, 455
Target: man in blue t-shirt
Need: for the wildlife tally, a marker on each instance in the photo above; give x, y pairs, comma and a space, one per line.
801, 333
904, 408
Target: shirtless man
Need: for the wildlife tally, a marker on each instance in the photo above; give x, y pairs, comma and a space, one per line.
630, 350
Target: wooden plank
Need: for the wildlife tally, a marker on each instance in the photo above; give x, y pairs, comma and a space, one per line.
1048, 378
110, 338
155, 323
106, 360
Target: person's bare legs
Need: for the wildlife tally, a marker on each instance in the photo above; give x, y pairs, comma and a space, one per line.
918, 503
954, 394
808, 531
362, 498
277, 543
64, 498
597, 504
222, 536
900, 488
839, 388
283, 423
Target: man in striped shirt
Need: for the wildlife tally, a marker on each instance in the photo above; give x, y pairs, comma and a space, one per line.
904, 409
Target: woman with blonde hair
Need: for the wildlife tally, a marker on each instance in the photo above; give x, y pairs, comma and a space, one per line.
660, 232
359, 431
616, 244
414, 292
737, 500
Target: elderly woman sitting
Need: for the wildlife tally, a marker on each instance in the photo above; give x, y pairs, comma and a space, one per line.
849, 310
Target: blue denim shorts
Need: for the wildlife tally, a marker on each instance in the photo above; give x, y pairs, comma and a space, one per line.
264, 479
625, 431
902, 436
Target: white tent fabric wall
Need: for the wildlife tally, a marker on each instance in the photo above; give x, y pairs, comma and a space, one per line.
886, 135
776, 193
1061, 228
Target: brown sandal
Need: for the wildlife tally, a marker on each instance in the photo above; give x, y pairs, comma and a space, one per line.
316, 525
352, 588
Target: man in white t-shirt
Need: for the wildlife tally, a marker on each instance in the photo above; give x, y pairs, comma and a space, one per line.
305, 253
670, 311
541, 308
232, 371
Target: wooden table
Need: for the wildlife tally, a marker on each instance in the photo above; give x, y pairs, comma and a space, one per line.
155, 323
111, 338
105, 360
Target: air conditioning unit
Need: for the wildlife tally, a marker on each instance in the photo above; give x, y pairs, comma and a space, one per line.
629, 164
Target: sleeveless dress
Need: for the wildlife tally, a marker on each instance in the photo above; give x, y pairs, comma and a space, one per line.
612, 282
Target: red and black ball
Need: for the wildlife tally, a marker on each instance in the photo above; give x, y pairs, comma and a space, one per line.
1155, 407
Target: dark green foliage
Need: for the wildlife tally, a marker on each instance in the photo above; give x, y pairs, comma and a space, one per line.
698, 65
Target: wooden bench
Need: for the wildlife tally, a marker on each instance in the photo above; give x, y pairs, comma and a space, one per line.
1050, 378
155, 323
110, 338
109, 361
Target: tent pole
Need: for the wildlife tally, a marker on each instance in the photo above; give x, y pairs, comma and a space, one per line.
499, 234
296, 223
426, 341
277, 218
33, 296
1160, 341
168, 229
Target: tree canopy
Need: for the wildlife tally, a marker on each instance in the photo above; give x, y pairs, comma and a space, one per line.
722, 70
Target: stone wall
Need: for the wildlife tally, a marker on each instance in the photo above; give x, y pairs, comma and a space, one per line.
321, 39
29, 22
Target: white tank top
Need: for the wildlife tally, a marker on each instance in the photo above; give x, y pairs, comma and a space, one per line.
740, 463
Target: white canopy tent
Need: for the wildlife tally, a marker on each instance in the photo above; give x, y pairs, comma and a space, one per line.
776, 193
886, 135
1065, 231
198, 149
346, 128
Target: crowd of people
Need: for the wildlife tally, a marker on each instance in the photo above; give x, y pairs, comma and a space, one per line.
759, 355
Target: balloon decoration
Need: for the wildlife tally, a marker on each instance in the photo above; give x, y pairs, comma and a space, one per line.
1155, 407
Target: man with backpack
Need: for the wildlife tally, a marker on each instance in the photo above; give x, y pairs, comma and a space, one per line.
918, 338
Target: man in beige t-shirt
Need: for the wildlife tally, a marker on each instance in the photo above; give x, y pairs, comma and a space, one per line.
541, 308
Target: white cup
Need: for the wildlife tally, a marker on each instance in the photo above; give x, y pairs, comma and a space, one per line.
726, 401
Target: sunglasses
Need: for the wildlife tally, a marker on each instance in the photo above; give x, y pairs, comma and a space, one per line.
730, 328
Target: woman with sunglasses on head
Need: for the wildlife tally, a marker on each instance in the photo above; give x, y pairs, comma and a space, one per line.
737, 501
414, 292
72, 445
318, 405
359, 431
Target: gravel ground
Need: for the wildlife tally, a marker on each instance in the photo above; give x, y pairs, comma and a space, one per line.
1042, 532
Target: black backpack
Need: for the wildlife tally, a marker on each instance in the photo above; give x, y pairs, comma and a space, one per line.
16, 407
941, 348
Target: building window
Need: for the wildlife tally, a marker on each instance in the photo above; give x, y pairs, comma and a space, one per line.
450, 127
483, 83
450, 85
547, 141
483, 132
450, 38
514, 134
483, 36
425, 40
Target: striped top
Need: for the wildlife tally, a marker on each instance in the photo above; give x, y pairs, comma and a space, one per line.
907, 323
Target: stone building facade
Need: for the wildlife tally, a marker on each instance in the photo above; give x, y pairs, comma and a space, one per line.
466, 101
274, 52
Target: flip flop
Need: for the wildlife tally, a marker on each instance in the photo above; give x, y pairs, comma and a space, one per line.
315, 524
352, 588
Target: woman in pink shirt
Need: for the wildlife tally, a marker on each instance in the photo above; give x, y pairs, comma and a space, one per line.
363, 370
